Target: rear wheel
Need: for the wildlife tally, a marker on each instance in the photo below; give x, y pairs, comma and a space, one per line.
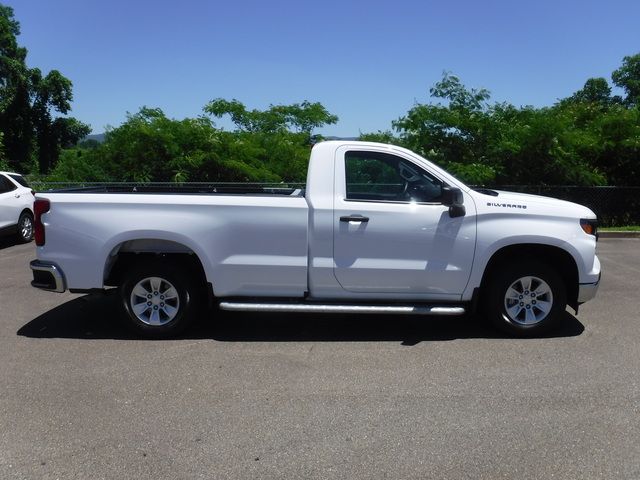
25, 227
526, 299
159, 299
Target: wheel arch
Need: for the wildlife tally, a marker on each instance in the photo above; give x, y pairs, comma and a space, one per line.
556, 257
28, 211
129, 252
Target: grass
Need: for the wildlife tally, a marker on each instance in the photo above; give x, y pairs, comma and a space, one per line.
628, 228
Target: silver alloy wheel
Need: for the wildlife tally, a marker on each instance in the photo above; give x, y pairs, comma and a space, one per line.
528, 300
26, 227
154, 301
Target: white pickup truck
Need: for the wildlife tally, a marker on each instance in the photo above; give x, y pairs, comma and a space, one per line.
378, 229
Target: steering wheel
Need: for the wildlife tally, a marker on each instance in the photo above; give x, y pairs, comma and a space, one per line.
410, 176
405, 191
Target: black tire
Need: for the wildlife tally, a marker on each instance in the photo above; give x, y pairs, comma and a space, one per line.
161, 319
534, 316
25, 227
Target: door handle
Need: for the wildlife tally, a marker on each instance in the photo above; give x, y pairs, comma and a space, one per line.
17, 195
354, 218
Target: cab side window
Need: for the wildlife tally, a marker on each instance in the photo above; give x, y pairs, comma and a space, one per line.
382, 177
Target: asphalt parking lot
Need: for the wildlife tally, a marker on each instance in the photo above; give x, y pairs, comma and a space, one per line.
274, 396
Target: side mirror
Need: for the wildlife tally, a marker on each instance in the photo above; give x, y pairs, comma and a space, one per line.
452, 197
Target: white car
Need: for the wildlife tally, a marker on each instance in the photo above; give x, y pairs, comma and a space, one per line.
16, 206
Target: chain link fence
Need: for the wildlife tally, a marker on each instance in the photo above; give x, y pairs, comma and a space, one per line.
615, 206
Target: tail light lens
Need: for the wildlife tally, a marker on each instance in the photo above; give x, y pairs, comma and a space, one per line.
40, 206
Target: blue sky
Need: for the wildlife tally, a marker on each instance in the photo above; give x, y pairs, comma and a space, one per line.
367, 62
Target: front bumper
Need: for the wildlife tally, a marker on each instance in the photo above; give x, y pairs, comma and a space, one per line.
47, 276
586, 291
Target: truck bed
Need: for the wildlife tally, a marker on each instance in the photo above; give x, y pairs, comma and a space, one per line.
252, 240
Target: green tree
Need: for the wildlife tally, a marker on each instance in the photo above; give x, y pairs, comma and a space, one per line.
614, 146
30, 103
380, 136
300, 117
15, 85
150, 147
454, 134
499, 143
627, 77
280, 136
595, 90
79, 165
450, 88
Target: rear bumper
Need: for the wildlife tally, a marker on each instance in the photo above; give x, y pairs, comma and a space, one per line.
586, 291
47, 276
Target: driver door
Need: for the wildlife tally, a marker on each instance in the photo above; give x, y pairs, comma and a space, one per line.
392, 234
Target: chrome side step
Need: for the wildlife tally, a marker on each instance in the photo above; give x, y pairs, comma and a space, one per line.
324, 308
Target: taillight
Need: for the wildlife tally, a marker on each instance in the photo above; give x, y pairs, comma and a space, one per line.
40, 206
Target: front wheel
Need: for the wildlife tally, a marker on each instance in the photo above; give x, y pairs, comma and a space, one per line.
159, 299
526, 299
